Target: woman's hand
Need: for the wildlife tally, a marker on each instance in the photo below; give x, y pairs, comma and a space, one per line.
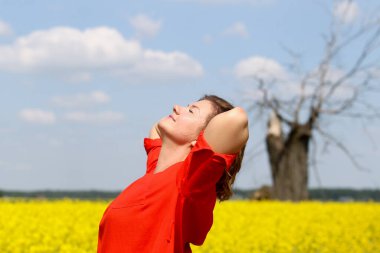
227, 132
155, 132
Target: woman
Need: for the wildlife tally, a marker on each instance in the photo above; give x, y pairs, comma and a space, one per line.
193, 157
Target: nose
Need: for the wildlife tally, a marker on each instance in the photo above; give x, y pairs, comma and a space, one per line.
176, 109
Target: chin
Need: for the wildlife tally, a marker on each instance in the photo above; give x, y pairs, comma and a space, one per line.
165, 128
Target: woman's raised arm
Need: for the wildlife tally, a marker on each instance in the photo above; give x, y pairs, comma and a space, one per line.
227, 132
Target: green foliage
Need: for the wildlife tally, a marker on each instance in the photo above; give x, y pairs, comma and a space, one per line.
323, 194
338, 194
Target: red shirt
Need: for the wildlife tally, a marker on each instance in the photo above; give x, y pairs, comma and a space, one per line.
165, 211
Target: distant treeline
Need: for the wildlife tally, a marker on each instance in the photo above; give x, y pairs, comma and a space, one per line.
314, 194
331, 194
51, 194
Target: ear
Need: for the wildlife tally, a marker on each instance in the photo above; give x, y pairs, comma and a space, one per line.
193, 143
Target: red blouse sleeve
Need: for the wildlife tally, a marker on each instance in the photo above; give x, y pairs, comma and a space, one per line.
202, 170
152, 148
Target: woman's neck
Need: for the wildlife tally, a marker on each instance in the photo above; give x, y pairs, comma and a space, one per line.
170, 154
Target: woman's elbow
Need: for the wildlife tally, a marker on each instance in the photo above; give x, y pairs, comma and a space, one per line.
241, 132
240, 117
243, 115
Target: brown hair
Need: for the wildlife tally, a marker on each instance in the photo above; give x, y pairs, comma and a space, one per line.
224, 185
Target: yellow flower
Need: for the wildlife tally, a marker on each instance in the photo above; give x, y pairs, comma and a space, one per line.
68, 225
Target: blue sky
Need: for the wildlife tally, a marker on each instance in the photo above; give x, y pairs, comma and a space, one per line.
82, 82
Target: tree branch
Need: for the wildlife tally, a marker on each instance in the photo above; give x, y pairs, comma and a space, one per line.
302, 97
356, 67
343, 148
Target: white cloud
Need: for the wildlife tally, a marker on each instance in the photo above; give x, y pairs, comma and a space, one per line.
5, 29
38, 116
156, 66
237, 29
261, 68
64, 48
70, 52
81, 99
145, 26
346, 11
99, 117
285, 84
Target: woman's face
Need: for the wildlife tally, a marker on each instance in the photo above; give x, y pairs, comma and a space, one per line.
185, 123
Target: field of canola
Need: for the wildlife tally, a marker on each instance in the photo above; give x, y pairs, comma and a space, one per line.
239, 226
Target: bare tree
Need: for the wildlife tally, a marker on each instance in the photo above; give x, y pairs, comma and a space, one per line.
339, 86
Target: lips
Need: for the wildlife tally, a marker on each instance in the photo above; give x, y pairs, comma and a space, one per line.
172, 117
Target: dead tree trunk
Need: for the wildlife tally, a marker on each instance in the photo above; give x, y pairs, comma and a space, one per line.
299, 98
288, 157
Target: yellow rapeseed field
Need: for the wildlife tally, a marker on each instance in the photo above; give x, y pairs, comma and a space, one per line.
239, 226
